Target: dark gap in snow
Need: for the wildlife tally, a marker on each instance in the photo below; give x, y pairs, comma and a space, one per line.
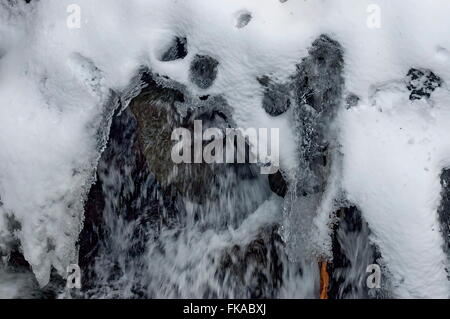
277, 97
351, 101
244, 18
14, 251
422, 83
15, 258
176, 51
320, 75
278, 184
203, 71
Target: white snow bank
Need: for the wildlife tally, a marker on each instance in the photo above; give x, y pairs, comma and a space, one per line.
392, 164
54, 83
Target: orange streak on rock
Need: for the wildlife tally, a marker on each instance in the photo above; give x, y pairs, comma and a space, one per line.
324, 280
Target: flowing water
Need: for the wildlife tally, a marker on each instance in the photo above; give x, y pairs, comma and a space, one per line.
156, 243
156, 230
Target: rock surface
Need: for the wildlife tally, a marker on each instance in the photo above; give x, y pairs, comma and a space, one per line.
444, 210
422, 83
176, 51
277, 97
203, 71
318, 94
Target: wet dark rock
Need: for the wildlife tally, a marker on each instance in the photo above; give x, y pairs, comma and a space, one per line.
12, 244
351, 101
125, 192
162, 89
318, 91
352, 253
92, 233
319, 81
156, 122
444, 209
203, 71
318, 87
157, 117
277, 97
261, 261
176, 51
278, 184
422, 83
17, 260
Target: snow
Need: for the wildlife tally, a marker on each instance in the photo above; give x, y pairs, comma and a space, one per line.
391, 168
55, 87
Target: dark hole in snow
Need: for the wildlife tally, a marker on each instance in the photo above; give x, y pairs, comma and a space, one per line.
422, 83
244, 18
176, 51
221, 115
51, 246
352, 100
203, 71
204, 97
278, 184
276, 99
444, 209
12, 224
309, 98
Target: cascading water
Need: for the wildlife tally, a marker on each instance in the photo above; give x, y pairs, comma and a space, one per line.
154, 229
220, 240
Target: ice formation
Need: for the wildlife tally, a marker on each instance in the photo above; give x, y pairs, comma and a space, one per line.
60, 82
